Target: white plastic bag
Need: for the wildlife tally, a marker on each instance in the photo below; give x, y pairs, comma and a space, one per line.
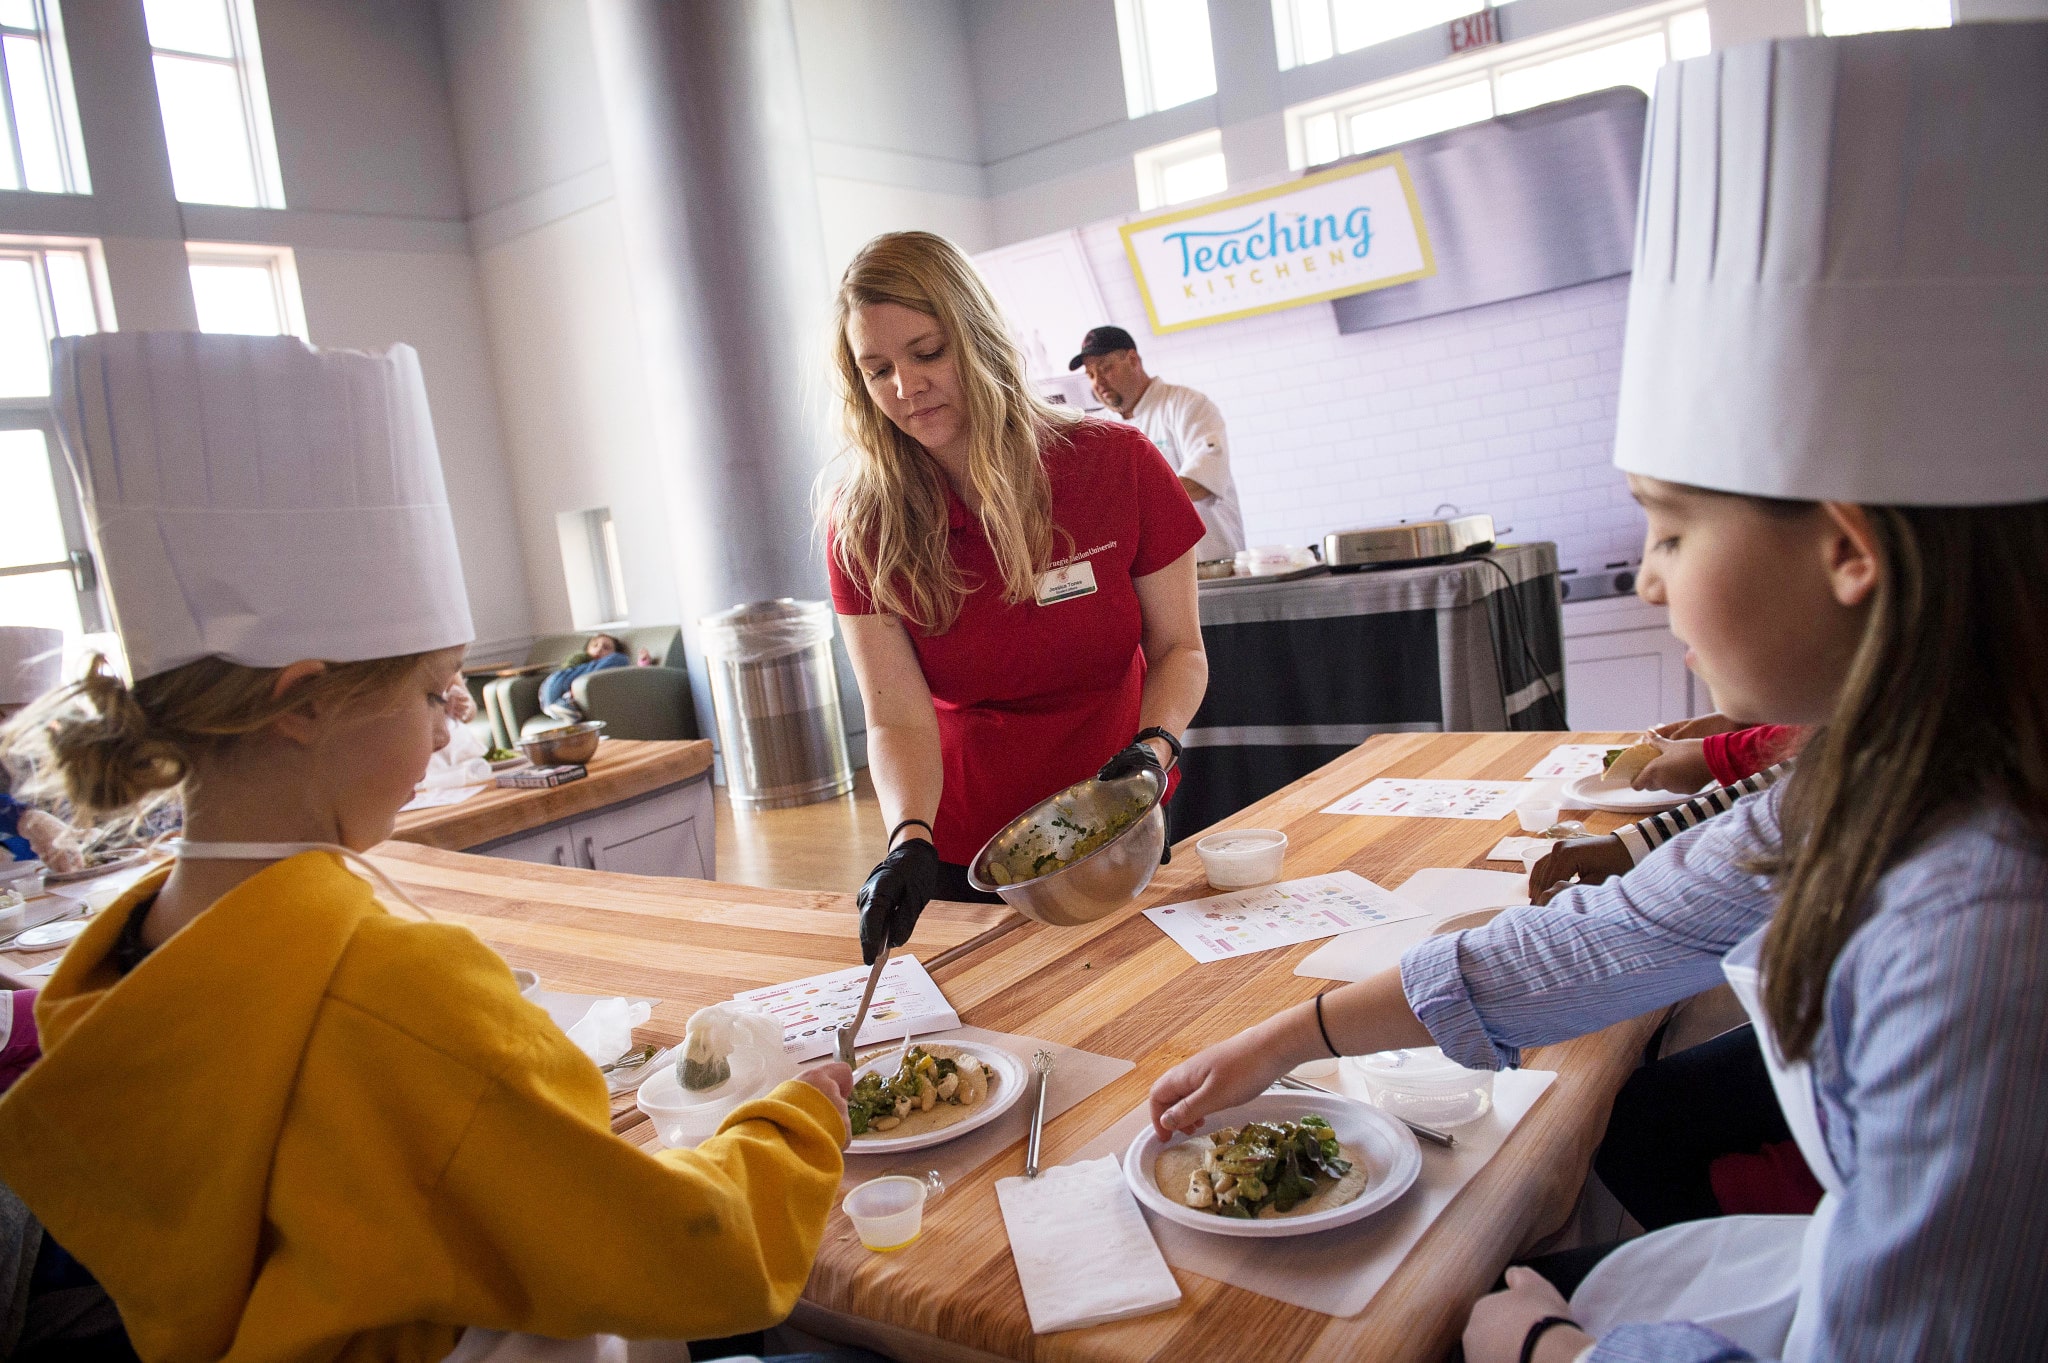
606, 1031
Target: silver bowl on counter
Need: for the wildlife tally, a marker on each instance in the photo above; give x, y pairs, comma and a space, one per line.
570, 744
1097, 884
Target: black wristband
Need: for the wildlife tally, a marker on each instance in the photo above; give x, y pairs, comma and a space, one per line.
907, 823
1156, 732
1325, 1030
1538, 1330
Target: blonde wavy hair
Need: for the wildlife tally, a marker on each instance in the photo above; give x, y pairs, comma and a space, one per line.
110, 748
887, 514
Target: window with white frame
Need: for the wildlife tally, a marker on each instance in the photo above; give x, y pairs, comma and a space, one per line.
1625, 49
1308, 31
49, 287
1869, 16
1180, 171
44, 152
592, 567
246, 290
1166, 53
216, 108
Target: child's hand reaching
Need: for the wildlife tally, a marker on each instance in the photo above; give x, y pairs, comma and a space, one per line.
1592, 860
1228, 1073
834, 1079
1680, 766
1699, 726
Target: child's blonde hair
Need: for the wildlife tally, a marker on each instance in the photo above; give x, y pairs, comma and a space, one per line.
109, 747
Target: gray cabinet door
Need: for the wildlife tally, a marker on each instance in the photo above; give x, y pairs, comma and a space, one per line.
666, 834
550, 847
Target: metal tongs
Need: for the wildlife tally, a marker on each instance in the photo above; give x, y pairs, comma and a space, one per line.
843, 1046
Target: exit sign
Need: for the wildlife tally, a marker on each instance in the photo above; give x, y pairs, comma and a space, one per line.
1475, 30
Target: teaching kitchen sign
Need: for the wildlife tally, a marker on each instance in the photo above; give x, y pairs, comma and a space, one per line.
1337, 232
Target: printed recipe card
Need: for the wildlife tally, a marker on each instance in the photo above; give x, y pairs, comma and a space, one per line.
907, 1002
1402, 798
1269, 916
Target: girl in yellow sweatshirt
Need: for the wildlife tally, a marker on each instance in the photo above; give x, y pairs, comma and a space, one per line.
276, 1121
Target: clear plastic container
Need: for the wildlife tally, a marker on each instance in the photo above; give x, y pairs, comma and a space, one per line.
1425, 1086
683, 1118
887, 1212
1540, 807
1242, 857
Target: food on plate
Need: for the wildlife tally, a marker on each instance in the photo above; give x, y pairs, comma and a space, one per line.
933, 1088
501, 755
1262, 1169
1623, 765
1038, 852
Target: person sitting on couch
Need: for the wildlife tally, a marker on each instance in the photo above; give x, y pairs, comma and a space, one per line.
600, 651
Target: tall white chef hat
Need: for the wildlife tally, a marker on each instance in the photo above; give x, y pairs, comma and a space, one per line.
1841, 271
31, 662
260, 500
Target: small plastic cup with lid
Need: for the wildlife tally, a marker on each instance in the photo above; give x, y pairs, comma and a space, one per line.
887, 1212
1239, 858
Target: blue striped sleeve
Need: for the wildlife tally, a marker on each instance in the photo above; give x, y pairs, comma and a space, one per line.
1597, 954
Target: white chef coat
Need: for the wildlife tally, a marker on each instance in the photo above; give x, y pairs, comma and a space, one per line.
1188, 429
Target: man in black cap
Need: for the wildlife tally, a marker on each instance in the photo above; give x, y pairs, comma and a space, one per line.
1186, 426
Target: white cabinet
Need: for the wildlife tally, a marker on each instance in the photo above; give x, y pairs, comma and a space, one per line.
663, 833
1623, 668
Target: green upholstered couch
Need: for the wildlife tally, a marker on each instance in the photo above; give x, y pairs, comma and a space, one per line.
634, 702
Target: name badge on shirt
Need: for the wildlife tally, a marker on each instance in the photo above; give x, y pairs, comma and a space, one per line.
1064, 584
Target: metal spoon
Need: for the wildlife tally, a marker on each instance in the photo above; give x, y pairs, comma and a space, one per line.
843, 1046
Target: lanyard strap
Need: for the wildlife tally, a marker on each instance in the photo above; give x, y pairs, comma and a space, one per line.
278, 851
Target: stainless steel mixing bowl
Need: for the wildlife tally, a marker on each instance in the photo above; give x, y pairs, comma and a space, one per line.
1098, 884
570, 744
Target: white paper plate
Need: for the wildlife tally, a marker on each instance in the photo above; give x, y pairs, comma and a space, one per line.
1006, 1089
1386, 1145
48, 935
1619, 797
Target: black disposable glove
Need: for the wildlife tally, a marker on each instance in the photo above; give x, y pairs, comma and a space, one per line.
896, 892
1129, 762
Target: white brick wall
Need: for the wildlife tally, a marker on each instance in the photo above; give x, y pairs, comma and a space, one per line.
1507, 409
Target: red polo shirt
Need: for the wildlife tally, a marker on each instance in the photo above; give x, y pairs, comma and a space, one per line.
1034, 697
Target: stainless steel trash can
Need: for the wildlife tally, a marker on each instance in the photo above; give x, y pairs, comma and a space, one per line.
775, 691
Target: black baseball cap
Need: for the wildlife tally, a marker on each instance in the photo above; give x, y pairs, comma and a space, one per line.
1103, 341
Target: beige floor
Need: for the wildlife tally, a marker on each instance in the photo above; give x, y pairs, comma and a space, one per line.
831, 845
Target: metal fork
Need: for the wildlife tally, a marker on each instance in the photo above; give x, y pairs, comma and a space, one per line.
843, 1046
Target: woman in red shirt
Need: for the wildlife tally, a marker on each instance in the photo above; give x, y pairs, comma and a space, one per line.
1016, 584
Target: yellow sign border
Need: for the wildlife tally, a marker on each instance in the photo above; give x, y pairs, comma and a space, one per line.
1392, 158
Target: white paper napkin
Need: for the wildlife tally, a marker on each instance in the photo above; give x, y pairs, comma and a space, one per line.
1084, 1253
